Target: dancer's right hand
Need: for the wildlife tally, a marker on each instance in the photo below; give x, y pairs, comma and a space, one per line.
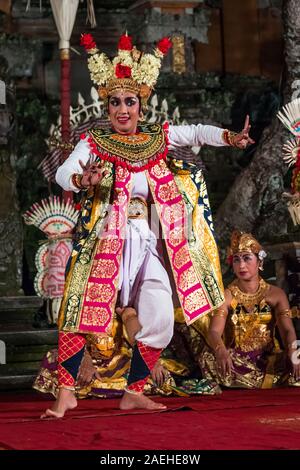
92, 174
224, 362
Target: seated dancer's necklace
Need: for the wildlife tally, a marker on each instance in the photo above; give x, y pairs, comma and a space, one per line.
250, 300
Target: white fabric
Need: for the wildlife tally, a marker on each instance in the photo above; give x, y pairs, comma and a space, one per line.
179, 136
144, 283
195, 136
64, 12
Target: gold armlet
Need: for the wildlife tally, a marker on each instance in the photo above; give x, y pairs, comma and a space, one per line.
285, 313
228, 137
219, 313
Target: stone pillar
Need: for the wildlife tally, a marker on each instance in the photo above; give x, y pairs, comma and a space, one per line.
10, 217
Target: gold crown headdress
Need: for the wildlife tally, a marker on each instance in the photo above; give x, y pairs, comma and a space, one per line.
242, 242
130, 70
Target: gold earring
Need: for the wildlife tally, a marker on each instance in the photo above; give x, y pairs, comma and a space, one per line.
141, 117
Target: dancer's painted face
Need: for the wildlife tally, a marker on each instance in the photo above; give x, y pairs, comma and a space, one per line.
124, 110
245, 265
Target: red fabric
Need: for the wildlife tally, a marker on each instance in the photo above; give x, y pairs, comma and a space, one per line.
150, 355
69, 344
237, 419
138, 386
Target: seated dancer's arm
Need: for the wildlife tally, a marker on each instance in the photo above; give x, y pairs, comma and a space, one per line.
286, 329
215, 332
198, 135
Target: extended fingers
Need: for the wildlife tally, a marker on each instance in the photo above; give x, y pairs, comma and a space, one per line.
246, 124
83, 166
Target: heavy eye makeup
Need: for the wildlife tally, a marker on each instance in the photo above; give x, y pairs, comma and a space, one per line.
128, 101
245, 258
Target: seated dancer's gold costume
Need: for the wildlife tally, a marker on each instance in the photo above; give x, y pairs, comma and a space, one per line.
249, 337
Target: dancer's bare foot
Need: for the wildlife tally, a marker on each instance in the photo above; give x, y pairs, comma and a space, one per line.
65, 401
130, 401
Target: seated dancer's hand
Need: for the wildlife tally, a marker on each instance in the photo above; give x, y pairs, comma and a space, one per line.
242, 139
92, 173
86, 371
159, 374
224, 362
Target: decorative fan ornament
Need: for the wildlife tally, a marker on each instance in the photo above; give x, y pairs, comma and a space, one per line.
57, 220
53, 216
290, 116
290, 151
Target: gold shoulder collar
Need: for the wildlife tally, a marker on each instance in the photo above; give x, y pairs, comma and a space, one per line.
136, 152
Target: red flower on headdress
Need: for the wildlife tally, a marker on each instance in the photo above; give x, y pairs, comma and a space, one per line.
125, 43
164, 45
123, 71
87, 41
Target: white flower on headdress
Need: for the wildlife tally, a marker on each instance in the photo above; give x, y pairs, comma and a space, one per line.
124, 58
147, 71
261, 255
101, 68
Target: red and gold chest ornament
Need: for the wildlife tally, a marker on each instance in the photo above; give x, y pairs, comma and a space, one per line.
137, 152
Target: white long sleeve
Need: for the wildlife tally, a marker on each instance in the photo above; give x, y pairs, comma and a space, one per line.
195, 135
179, 136
71, 165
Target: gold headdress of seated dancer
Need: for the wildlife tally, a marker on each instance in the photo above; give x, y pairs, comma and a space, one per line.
131, 70
242, 242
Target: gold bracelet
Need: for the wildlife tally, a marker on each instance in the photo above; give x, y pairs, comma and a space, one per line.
76, 180
228, 137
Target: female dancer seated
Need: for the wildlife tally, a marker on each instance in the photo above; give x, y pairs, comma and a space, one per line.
244, 350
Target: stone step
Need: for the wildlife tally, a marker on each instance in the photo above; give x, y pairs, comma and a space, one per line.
17, 382
29, 302
20, 368
19, 309
13, 334
26, 353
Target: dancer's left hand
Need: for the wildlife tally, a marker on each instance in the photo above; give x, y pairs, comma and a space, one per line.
242, 139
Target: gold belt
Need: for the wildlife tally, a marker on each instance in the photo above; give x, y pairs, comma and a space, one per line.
138, 208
